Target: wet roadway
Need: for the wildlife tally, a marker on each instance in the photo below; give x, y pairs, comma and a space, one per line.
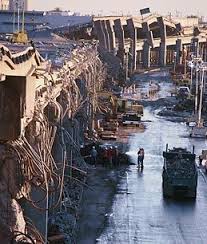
139, 213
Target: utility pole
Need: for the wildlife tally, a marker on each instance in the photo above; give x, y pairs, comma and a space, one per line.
18, 14
198, 61
14, 20
196, 92
191, 78
201, 98
23, 17
184, 60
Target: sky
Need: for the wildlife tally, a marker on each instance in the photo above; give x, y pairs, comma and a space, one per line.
186, 7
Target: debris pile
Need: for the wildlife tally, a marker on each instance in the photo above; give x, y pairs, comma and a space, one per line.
43, 167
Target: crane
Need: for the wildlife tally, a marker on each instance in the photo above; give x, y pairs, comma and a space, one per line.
20, 36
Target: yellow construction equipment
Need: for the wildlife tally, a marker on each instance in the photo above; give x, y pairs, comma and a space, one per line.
21, 35
127, 105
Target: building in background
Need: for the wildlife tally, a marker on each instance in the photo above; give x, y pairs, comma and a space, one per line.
36, 20
14, 5
4, 4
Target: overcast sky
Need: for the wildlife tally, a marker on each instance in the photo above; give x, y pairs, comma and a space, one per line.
128, 6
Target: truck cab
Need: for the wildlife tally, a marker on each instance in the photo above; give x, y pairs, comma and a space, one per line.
183, 92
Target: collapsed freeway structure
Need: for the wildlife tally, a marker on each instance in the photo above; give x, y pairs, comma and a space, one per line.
57, 96
45, 109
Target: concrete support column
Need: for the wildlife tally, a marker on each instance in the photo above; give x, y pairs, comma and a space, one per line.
133, 35
106, 34
163, 47
119, 30
148, 33
149, 42
111, 33
195, 46
146, 55
179, 48
163, 54
100, 34
139, 57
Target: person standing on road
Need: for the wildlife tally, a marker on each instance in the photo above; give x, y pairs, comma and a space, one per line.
94, 155
140, 159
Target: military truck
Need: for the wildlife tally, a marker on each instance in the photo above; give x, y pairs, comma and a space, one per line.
179, 173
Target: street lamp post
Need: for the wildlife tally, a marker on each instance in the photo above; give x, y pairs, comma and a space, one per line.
196, 92
203, 69
201, 100
191, 65
184, 61
199, 130
195, 63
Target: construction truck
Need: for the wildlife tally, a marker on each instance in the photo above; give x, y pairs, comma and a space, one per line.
20, 37
179, 177
125, 111
127, 105
108, 105
131, 118
183, 92
130, 112
120, 105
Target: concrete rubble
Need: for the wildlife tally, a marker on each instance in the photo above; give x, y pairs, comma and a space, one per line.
52, 109
42, 171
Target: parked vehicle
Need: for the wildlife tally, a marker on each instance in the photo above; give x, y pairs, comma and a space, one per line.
131, 118
179, 173
183, 92
203, 159
108, 135
111, 125
127, 105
